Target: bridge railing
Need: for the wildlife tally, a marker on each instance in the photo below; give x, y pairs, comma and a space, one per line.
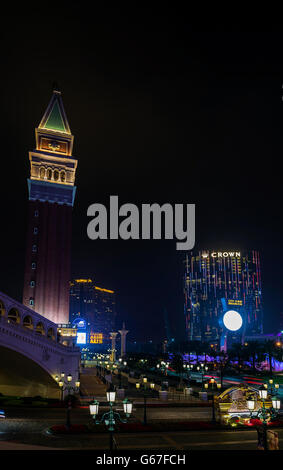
34, 334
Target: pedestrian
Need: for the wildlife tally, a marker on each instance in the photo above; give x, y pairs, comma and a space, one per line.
272, 440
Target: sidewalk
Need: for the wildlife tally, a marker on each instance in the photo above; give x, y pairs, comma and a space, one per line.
10, 445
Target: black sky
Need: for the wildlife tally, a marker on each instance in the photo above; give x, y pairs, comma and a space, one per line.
161, 112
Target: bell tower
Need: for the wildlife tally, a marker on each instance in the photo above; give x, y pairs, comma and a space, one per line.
51, 189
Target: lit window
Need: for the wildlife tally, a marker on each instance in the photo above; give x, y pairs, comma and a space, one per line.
34, 248
31, 301
35, 230
33, 265
32, 283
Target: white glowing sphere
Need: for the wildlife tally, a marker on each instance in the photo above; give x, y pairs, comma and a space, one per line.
232, 320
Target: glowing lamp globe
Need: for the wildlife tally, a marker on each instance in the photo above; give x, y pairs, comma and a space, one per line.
232, 320
128, 406
276, 403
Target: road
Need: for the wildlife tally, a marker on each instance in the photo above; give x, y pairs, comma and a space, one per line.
29, 426
148, 442
51, 416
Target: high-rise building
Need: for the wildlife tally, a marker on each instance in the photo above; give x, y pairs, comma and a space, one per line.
96, 306
51, 197
214, 275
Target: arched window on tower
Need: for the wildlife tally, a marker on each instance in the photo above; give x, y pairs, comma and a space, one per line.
42, 173
56, 175
63, 176
49, 174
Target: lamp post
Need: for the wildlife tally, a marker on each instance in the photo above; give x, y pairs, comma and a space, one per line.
69, 388
263, 413
271, 386
206, 386
144, 389
109, 418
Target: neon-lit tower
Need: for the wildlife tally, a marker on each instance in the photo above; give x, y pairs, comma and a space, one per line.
51, 198
123, 334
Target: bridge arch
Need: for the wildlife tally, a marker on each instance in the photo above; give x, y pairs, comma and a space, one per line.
28, 322
34, 337
51, 333
14, 315
2, 309
21, 376
39, 329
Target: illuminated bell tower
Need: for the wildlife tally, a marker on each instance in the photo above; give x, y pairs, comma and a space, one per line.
51, 198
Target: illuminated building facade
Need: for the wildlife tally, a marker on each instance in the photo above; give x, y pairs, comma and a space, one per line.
214, 275
51, 197
96, 306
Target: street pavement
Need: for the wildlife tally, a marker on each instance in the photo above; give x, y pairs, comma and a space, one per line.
148, 442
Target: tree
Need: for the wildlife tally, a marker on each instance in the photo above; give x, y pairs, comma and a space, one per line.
254, 351
223, 362
177, 364
272, 351
236, 353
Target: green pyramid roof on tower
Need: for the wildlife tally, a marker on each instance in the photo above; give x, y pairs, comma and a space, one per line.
55, 117
55, 120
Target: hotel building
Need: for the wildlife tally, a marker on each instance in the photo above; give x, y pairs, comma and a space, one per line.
214, 275
96, 306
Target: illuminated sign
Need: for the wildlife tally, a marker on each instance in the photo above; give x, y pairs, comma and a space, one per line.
96, 338
81, 338
68, 331
79, 323
232, 320
104, 290
223, 254
235, 302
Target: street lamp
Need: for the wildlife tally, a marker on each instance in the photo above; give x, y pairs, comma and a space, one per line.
262, 413
206, 386
144, 390
69, 388
109, 418
271, 387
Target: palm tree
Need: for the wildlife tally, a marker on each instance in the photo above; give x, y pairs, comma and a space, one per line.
206, 349
254, 351
178, 365
236, 353
223, 360
272, 351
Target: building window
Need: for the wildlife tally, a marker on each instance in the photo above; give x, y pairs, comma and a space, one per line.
32, 283
56, 175
35, 213
49, 174
35, 230
33, 265
63, 176
31, 301
34, 248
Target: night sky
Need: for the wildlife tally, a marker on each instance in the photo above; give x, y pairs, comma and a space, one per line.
161, 112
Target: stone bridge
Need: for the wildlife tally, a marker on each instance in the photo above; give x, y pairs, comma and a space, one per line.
30, 353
